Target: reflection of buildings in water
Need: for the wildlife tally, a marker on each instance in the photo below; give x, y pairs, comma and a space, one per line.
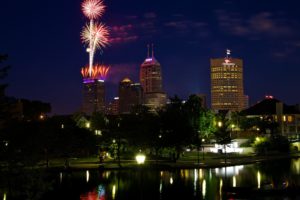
97, 194
229, 171
204, 188
258, 179
87, 176
296, 166
106, 174
113, 192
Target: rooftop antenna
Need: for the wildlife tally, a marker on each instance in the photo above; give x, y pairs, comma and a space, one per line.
152, 50
228, 52
148, 46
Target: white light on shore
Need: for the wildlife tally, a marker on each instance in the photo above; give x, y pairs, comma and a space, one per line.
140, 159
87, 176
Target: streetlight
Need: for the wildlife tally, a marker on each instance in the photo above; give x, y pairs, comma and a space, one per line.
203, 140
220, 124
140, 158
232, 127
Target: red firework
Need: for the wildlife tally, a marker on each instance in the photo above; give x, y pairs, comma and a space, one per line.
98, 72
93, 9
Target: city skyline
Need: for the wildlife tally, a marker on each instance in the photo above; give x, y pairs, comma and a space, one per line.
186, 36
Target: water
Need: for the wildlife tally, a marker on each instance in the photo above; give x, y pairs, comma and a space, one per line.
163, 185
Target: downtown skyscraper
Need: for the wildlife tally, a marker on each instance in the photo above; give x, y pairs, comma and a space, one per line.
151, 82
227, 88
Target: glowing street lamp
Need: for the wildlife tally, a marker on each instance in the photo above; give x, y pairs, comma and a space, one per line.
220, 124
140, 159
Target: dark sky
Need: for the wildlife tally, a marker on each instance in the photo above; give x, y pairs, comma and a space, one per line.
42, 39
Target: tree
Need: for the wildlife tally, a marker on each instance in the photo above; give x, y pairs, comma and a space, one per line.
222, 132
206, 124
177, 131
98, 121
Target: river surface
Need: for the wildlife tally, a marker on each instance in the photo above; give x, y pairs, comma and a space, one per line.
256, 181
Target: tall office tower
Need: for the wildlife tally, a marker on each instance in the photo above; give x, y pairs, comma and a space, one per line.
130, 94
151, 81
227, 89
93, 89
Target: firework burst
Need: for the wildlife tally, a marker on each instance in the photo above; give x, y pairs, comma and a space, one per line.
93, 9
98, 72
96, 36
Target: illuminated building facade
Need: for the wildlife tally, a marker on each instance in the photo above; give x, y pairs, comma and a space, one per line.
151, 81
130, 94
94, 89
113, 107
227, 89
93, 96
272, 109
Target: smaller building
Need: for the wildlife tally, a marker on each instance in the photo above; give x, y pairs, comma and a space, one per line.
287, 117
113, 107
130, 94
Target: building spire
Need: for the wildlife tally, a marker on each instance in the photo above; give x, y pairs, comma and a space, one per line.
228, 52
148, 46
152, 50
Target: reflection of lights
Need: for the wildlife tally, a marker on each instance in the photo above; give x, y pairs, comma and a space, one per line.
229, 171
4, 196
140, 159
182, 173
113, 192
200, 174
106, 174
101, 191
296, 166
221, 186
161, 173
87, 176
186, 173
258, 179
233, 181
160, 187
171, 180
60, 177
195, 181
203, 188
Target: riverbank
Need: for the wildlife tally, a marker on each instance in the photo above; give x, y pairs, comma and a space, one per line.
207, 162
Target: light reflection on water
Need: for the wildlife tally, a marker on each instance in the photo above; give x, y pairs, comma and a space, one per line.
205, 183
172, 184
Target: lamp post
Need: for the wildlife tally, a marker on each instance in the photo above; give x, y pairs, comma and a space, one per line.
203, 140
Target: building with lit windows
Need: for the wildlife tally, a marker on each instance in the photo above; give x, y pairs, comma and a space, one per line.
271, 109
227, 89
113, 107
93, 96
94, 89
130, 94
151, 82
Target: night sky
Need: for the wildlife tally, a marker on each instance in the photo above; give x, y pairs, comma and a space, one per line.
42, 39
